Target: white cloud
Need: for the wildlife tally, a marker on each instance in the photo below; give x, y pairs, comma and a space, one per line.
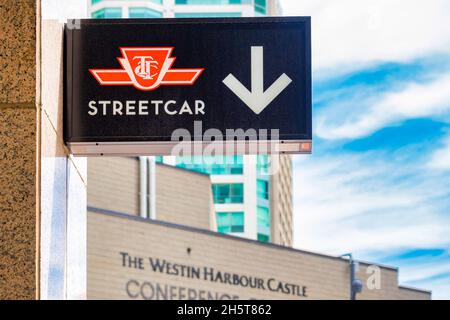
348, 203
362, 204
355, 32
440, 160
376, 204
440, 287
414, 101
419, 269
427, 271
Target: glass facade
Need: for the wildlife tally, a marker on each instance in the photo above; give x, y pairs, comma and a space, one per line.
263, 193
144, 13
207, 14
262, 189
228, 193
155, 1
211, 2
261, 7
262, 164
213, 164
228, 222
263, 238
263, 218
107, 13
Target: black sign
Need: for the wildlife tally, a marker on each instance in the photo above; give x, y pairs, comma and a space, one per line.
139, 86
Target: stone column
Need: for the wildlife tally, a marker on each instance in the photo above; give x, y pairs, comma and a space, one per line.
19, 150
42, 187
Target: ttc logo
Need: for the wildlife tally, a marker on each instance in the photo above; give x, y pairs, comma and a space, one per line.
146, 68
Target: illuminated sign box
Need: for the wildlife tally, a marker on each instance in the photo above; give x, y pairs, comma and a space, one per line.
154, 86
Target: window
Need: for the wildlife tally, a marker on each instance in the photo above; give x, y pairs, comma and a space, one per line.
154, 1
228, 222
261, 6
211, 2
207, 14
228, 193
107, 13
262, 164
212, 164
263, 220
263, 238
144, 13
262, 189
159, 159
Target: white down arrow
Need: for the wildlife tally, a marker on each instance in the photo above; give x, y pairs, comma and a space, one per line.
257, 99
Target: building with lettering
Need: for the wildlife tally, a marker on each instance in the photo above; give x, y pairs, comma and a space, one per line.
178, 254
140, 259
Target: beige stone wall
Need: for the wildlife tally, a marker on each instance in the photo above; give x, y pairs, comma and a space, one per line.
183, 197
281, 203
114, 184
19, 133
324, 277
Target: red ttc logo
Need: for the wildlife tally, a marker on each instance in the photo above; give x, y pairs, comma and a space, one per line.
146, 68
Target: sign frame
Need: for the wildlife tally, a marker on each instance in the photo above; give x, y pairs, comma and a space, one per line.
80, 146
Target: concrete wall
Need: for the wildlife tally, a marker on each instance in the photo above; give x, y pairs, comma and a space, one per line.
182, 196
114, 184
323, 277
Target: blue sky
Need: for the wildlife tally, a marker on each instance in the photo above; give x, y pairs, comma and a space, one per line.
378, 181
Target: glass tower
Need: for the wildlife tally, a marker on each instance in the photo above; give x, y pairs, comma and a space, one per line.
177, 8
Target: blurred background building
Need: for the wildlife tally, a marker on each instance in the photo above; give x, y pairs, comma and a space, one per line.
182, 8
247, 202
